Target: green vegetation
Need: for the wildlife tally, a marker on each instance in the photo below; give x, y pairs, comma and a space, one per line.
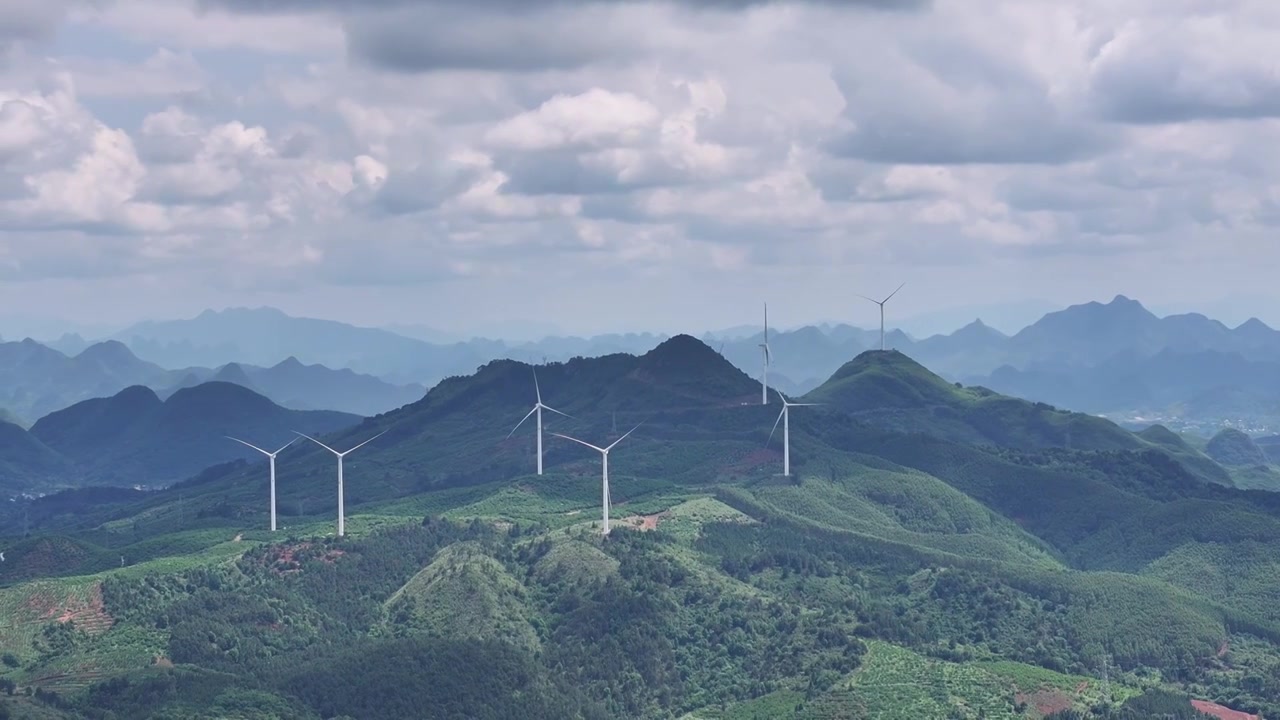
1234, 448
940, 552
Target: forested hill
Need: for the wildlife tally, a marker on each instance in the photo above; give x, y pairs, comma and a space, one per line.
907, 569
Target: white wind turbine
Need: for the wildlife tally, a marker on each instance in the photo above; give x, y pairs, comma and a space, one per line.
881, 304
538, 407
271, 457
785, 418
604, 470
764, 374
342, 518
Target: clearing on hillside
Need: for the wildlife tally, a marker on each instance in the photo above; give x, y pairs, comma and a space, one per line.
1224, 713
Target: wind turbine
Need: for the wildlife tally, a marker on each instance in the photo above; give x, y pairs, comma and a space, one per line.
342, 518
764, 375
604, 470
538, 407
785, 418
881, 304
271, 457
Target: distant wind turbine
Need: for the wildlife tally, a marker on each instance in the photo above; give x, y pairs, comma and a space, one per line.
604, 470
881, 304
342, 518
785, 418
538, 407
271, 457
764, 375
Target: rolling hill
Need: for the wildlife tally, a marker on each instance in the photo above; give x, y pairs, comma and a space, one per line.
940, 552
135, 438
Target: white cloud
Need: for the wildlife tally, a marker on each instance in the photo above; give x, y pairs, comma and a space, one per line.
429, 141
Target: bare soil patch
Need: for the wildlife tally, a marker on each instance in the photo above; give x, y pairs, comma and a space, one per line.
89, 615
1219, 711
1046, 702
645, 523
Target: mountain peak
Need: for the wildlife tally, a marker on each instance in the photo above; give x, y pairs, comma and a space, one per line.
108, 350
1254, 325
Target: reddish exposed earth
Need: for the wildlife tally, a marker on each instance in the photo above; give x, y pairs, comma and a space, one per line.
1046, 702
90, 616
1224, 713
645, 522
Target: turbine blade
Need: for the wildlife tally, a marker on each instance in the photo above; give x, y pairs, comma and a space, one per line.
580, 442
895, 292
768, 354
775, 426
255, 447
558, 412
537, 389
624, 436
804, 404
326, 447
864, 297
526, 417
366, 442
282, 447
766, 323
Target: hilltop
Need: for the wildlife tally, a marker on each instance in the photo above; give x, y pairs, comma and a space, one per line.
133, 437
892, 390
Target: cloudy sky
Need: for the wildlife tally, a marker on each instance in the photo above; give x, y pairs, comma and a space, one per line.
635, 165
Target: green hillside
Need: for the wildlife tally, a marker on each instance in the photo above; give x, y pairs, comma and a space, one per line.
135, 438
912, 566
890, 390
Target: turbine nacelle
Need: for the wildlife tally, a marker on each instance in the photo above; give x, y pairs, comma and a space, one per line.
881, 303
538, 406
342, 516
604, 471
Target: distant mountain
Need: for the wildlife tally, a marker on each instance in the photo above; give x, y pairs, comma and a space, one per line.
1233, 448
36, 380
27, 463
266, 337
1200, 383
134, 437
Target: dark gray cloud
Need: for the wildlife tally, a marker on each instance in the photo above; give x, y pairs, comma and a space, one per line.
273, 6
452, 37
946, 102
509, 35
1162, 89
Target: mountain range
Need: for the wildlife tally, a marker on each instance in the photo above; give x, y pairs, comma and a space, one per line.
938, 551
1063, 358
135, 438
36, 380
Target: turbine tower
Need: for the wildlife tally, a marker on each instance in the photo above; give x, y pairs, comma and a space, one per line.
785, 418
764, 375
881, 304
538, 407
271, 457
604, 470
342, 518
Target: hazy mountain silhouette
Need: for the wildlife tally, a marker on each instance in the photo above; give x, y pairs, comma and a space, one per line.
36, 380
26, 463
